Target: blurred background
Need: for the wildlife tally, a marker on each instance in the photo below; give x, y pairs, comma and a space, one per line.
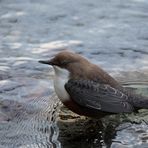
111, 33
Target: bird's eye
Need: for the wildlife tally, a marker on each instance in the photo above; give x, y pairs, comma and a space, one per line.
65, 62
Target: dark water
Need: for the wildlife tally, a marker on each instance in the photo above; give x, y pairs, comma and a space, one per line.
112, 34
133, 132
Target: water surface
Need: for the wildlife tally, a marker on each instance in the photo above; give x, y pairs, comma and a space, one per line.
112, 34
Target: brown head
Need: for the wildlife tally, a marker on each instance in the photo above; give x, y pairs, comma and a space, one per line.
74, 63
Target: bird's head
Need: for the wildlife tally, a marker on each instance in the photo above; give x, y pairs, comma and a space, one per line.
67, 61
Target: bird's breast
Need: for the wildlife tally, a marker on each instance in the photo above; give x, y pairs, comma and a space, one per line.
59, 86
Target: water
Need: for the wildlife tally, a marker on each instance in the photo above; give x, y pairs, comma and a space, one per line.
27, 125
112, 34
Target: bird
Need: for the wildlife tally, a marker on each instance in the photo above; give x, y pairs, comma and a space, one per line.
88, 90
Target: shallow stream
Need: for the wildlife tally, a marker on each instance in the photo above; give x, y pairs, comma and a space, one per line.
112, 34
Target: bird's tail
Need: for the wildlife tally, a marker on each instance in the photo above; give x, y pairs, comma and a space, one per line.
140, 102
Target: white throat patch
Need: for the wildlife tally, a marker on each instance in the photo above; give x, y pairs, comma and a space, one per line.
61, 77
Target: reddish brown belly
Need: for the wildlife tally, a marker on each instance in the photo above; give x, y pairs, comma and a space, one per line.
73, 106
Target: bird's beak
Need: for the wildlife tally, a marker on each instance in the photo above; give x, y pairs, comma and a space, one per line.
49, 62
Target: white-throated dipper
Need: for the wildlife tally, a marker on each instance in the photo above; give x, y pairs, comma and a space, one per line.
88, 90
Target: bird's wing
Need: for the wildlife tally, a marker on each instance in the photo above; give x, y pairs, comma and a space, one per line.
96, 96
